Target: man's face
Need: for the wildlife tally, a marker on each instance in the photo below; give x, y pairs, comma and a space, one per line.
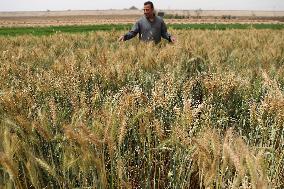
148, 11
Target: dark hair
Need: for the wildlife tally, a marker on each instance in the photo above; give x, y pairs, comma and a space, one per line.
149, 3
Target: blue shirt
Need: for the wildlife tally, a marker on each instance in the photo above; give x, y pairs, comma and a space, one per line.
149, 31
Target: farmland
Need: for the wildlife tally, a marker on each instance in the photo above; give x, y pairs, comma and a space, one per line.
78, 109
63, 18
49, 30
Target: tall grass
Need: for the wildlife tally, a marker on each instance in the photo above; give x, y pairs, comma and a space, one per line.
84, 111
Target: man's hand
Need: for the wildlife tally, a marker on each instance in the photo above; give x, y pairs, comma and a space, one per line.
173, 39
121, 38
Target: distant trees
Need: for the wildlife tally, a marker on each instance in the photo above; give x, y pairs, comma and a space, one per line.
161, 14
133, 8
198, 13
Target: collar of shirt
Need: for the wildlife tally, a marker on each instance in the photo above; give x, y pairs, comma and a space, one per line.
151, 21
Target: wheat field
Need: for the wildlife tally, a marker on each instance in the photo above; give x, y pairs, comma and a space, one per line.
85, 111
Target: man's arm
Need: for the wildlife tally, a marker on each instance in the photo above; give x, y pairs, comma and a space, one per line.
165, 34
132, 33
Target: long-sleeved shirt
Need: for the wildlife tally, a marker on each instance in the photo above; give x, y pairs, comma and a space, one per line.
149, 31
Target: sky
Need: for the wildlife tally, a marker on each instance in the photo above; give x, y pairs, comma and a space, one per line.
43, 5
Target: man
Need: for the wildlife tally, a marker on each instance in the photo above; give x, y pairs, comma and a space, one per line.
150, 27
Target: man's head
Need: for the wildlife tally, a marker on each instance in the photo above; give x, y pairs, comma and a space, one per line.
148, 9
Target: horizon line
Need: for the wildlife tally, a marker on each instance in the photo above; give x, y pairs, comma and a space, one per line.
69, 10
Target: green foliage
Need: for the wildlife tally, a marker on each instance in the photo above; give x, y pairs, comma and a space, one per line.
38, 31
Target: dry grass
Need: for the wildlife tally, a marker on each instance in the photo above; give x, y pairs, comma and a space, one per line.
84, 111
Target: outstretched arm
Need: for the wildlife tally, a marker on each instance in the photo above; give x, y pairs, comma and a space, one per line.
132, 33
165, 33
